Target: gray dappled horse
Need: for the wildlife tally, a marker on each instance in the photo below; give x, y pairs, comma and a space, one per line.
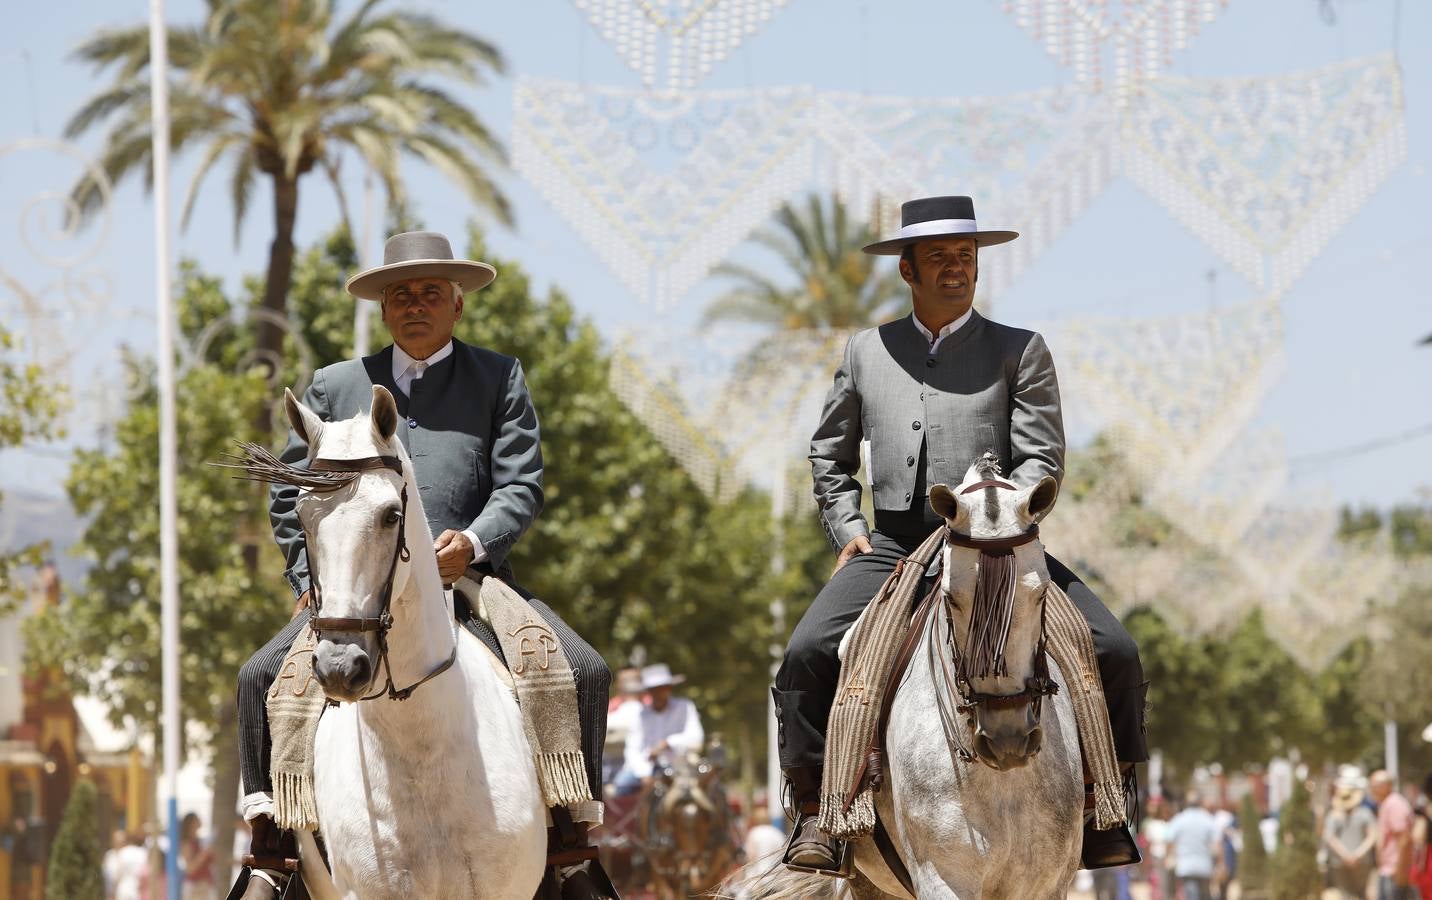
984, 789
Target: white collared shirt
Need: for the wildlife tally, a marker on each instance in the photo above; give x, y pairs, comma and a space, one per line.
679, 725
406, 370
945, 332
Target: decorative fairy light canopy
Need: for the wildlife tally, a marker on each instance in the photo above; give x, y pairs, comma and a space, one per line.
1116, 44
665, 179
672, 44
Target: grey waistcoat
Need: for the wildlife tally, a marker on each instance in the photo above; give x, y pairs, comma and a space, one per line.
471, 431
988, 387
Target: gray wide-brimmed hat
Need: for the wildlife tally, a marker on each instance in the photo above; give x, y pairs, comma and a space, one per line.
419, 254
938, 217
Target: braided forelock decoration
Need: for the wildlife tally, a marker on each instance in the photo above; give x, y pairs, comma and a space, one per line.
991, 615
257, 464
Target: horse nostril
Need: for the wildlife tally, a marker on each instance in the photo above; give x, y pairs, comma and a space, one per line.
359, 671
1036, 741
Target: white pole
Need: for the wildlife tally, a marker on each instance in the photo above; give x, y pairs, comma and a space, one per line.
778, 624
168, 499
1389, 748
362, 315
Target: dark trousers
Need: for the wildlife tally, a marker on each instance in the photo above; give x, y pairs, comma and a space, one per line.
258, 674
805, 684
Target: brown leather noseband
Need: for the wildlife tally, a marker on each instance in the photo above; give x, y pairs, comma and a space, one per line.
383, 622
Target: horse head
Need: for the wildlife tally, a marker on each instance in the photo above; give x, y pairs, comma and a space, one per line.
994, 579
357, 538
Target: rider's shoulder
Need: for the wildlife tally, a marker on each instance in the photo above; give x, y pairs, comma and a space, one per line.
1010, 336
489, 361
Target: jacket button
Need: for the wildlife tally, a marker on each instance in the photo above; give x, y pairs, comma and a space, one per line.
909, 460
412, 423
929, 362
907, 496
916, 425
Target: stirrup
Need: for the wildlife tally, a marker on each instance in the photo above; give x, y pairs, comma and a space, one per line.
844, 858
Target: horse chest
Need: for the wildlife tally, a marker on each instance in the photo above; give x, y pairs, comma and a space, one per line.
412, 818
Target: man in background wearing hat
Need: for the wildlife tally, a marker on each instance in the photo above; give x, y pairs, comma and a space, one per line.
473, 439
1349, 834
666, 727
931, 392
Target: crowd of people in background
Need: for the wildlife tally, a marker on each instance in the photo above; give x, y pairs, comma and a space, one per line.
134, 865
1373, 843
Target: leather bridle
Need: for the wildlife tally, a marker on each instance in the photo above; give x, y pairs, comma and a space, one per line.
383, 622
957, 676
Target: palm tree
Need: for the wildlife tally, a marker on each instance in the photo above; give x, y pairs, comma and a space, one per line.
278, 88
836, 286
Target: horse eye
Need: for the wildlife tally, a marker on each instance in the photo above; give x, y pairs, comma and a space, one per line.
392, 517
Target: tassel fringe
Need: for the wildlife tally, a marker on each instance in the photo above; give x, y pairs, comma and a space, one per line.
855, 822
563, 777
294, 805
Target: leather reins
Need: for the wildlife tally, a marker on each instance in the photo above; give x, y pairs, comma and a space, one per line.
383, 622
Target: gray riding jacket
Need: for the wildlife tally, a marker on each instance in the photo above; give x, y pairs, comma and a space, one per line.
471, 432
987, 387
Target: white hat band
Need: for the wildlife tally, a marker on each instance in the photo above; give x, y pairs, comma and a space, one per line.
939, 226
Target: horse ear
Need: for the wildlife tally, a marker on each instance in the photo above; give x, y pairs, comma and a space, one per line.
384, 414
942, 501
305, 421
1039, 500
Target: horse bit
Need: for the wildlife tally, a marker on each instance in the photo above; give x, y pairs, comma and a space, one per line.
957, 680
383, 622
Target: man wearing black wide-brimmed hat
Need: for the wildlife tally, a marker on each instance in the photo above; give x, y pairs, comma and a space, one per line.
471, 431
931, 392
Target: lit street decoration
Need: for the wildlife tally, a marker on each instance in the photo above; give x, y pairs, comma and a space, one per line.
672, 44
1267, 170
1116, 44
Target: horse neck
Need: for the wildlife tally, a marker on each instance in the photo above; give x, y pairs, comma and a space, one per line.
422, 636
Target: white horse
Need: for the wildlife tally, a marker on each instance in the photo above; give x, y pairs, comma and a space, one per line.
435, 795
1005, 825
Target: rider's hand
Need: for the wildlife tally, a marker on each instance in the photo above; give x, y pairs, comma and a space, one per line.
858, 545
302, 602
455, 553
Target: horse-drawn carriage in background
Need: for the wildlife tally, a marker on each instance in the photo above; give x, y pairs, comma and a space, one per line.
677, 836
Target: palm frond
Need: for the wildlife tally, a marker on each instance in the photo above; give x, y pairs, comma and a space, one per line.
217, 148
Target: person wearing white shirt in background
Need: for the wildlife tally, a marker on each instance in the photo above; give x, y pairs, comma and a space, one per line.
667, 727
622, 713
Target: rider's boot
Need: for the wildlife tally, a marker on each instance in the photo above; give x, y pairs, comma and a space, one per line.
271, 861
573, 870
1105, 849
810, 849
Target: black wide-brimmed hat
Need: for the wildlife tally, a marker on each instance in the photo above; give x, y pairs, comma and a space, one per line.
938, 217
419, 254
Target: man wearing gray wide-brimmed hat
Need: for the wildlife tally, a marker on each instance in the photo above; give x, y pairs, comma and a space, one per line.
932, 392
471, 432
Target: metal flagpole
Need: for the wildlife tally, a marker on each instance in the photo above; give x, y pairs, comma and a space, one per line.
168, 500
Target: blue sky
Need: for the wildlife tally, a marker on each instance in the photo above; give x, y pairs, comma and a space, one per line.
1352, 371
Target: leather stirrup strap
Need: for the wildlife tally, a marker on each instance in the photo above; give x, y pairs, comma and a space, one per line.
891, 855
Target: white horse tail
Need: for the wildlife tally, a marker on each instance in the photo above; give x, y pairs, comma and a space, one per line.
767, 879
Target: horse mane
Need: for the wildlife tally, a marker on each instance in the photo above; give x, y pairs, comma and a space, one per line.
257, 464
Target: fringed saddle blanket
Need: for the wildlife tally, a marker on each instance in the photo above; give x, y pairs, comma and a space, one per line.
847, 792
541, 674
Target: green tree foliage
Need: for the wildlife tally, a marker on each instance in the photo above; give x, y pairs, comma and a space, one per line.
1388, 687
280, 90
1295, 862
74, 871
1253, 861
628, 549
833, 285
28, 407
